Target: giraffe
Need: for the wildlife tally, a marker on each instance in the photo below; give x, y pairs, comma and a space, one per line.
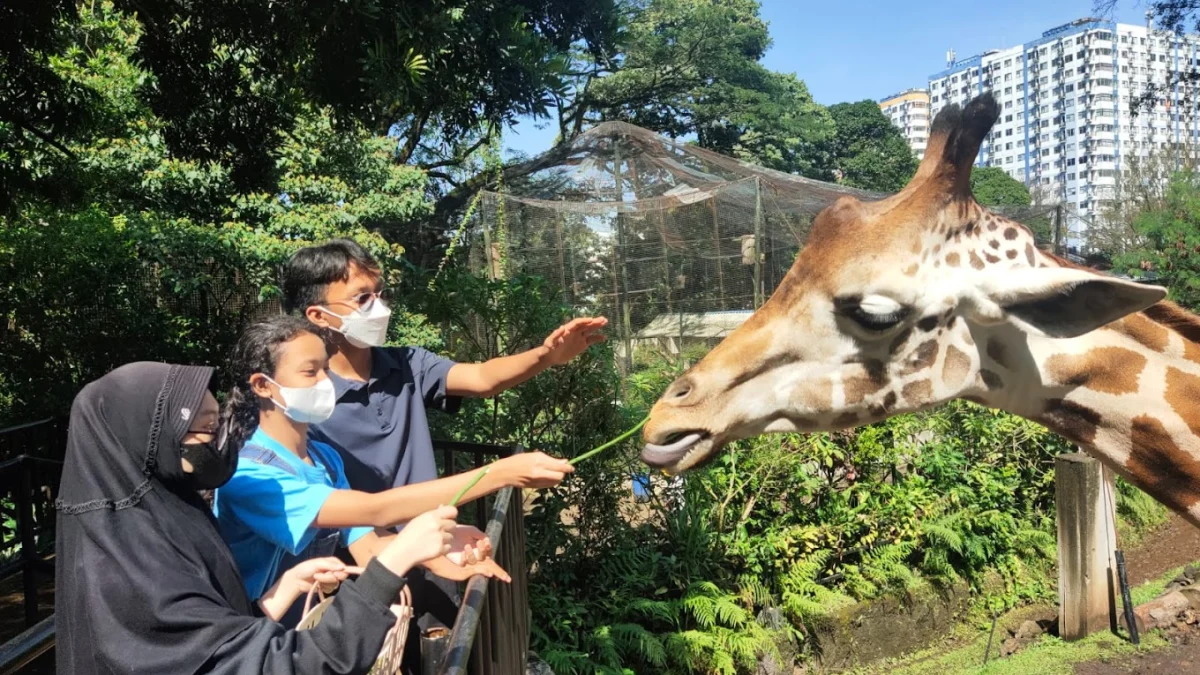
901, 304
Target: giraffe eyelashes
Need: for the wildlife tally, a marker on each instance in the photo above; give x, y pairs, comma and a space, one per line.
876, 322
873, 313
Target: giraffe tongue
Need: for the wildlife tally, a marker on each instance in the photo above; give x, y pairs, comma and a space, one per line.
664, 455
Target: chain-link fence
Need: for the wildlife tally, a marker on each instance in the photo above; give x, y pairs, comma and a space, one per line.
671, 242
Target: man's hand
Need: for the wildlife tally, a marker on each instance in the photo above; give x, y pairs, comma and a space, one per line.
470, 546
573, 338
443, 567
531, 470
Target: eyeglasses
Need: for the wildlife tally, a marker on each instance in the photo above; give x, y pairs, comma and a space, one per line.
365, 300
220, 432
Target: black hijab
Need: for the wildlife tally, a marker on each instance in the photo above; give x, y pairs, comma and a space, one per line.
145, 583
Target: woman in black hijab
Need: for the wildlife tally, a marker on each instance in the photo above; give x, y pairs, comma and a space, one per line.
144, 582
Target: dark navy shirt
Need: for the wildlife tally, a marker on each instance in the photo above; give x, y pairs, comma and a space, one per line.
379, 427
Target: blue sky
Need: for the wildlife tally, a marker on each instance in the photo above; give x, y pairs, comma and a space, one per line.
849, 50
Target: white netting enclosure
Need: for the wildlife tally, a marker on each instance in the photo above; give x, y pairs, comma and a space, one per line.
673, 243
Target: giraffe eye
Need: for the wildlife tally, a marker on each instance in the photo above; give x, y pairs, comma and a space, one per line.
876, 322
874, 313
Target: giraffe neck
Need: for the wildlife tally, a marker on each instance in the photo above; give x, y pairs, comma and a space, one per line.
1129, 395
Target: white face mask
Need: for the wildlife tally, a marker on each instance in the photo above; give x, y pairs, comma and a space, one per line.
365, 329
307, 405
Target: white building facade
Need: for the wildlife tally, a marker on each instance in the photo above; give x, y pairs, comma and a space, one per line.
1066, 114
909, 111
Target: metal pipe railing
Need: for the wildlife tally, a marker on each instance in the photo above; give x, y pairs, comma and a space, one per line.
491, 633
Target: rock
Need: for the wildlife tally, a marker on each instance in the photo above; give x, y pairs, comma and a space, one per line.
1028, 631
784, 662
1193, 597
534, 665
1161, 611
772, 618
1181, 581
1192, 572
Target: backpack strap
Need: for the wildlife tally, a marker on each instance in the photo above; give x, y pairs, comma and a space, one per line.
259, 454
263, 455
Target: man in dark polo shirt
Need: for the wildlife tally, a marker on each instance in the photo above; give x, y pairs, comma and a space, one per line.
380, 425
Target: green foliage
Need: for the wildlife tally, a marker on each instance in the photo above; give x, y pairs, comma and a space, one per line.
691, 67
1170, 242
868, 150
169, 259
994, 187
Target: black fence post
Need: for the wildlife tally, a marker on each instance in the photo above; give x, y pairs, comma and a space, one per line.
29, 557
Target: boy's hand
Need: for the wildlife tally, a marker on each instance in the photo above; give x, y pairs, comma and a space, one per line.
470, 546
531, 470
446, 569
573, 338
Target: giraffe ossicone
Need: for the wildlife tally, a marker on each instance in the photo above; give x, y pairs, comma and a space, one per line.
902, 304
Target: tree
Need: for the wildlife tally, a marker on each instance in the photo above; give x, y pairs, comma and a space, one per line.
167, 249
1142, 186
868, 150
226, 81
994, 187
41, 112
1170, 237
1156, 94
690, 68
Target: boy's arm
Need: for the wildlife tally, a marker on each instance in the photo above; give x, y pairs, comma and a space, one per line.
505, 372
353, 508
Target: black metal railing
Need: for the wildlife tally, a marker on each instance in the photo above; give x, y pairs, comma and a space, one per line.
490, 635
29, 476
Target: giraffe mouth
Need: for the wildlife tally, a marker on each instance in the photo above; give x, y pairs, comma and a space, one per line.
674, 450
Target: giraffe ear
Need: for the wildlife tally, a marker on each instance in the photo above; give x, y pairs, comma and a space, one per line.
1062, 302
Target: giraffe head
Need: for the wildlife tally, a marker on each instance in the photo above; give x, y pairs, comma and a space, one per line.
892, 306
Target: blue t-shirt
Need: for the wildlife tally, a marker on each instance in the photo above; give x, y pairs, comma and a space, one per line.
380, 427
266, 511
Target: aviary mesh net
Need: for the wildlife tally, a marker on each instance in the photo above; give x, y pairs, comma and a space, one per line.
673, 243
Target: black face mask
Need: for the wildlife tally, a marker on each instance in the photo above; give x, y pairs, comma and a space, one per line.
212, 463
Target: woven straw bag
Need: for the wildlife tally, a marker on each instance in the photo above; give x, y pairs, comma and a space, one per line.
388, 662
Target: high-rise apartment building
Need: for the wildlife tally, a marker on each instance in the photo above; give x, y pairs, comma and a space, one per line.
909, 111
1067, 108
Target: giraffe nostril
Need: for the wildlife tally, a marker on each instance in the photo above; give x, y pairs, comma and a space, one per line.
680, 390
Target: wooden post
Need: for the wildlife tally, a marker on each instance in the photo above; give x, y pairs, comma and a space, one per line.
758, 246
712, 203
562, 267
1086, 535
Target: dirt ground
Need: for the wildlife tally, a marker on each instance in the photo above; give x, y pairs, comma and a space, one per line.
1175, 544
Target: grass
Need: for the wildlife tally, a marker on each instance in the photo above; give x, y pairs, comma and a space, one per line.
1047, 655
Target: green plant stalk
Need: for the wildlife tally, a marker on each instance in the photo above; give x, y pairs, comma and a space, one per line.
479, 476
595, 451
